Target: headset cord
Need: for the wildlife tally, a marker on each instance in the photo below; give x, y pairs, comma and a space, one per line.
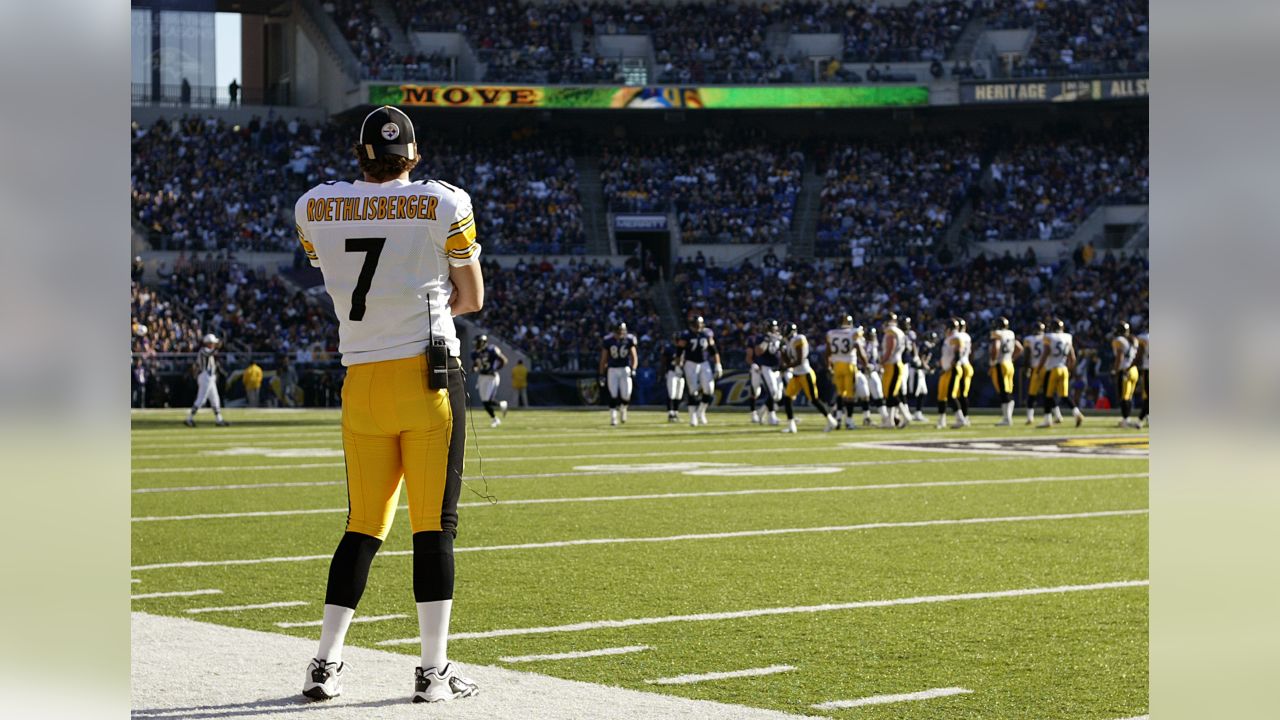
493, 500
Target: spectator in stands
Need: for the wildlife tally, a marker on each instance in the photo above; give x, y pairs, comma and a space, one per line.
233, 91
520, 383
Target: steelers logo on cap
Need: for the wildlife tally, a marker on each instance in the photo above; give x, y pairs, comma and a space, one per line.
390, 131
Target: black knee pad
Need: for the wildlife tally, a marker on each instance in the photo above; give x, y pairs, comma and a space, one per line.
432, 566
349, 570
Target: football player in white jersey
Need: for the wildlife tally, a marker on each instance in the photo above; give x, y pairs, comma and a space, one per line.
1033, 344
206, 369
795, 357
1144, 374
1058, 359
399, 260
1124, 346
841, 343
947, 365
1005, 350
962, 379
893, 372
867, 387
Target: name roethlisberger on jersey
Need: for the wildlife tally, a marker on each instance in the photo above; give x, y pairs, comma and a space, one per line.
373, 207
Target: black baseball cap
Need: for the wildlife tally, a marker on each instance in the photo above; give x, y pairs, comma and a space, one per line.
387, 131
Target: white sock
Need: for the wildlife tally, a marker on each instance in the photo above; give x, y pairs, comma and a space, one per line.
1031, 414
960, 416
433, 624
884, 413
333, 633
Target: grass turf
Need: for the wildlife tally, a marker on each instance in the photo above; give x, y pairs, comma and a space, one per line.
1076, 655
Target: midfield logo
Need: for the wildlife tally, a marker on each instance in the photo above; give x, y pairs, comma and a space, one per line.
1114, 446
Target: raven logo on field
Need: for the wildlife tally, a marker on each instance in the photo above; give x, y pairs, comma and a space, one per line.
1112, 446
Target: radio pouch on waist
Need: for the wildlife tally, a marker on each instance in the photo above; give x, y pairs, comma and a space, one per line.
437, 367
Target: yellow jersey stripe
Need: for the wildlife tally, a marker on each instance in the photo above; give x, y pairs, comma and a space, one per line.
463, 221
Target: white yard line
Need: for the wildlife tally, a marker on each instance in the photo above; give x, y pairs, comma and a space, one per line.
256, 606
356, 619
176, 593
523, 458
762, 612
669, 538
168, 652
134, 580
577, 654
704, 677
619, 470
886, 699
663, 496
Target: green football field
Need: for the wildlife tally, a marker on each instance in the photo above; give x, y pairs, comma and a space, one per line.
1000, 573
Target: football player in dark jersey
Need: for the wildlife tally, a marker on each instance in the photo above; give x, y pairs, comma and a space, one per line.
673, 370
618, 361
764, 356
486, 361
701, 368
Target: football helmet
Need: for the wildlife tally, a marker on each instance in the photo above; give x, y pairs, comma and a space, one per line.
1122, 328
620, 330
1002, 323
771, 326
846, 321
1056, 325
696, 322
481, 342
891, 319
1037, 328
789, 330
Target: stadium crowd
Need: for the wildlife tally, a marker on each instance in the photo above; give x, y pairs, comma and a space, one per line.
1077, 38
1045, 188
892, 198
201, 184
721, 190
558, 314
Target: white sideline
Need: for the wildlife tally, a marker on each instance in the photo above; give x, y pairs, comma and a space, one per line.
176, 593
356, 619
134, 580
255, 606
260, 678
704, 677
885, 699
668, 538
761, 612
576, 654
521, 458
668, 496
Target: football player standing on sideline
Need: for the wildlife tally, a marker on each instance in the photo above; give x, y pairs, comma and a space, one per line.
619, 358
486, 361
399, 260
206, 369
1144, 375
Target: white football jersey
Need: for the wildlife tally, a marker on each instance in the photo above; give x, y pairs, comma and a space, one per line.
872, 349
798, 354
385, 250
1145, 340
1125, 350
1003, 341
841, 343
894, 356
1058, 345
948, 359
1035, 348
964, 348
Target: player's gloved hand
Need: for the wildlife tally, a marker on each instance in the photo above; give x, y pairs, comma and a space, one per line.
601, 381
755, 367
719, 372
631, 372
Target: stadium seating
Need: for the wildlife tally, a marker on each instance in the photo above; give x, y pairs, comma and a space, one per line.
1078, 38
721, 190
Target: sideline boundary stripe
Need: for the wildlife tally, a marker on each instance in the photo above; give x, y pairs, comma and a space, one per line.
255, 606
668, 538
